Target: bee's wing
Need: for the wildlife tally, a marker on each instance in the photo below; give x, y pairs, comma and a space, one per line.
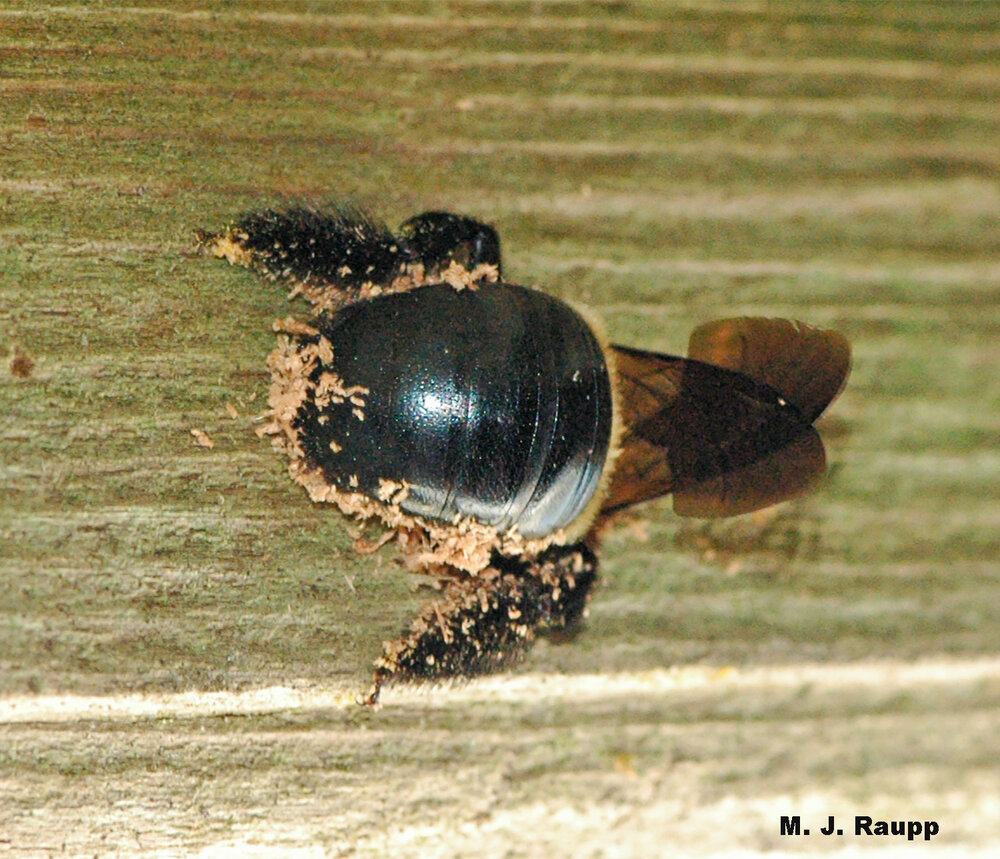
808, 366
726, 440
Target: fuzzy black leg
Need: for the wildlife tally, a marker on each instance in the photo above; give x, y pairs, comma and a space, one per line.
437, 239
484, 623
333, 250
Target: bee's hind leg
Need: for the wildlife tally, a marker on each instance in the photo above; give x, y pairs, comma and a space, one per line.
484, 623
332, 255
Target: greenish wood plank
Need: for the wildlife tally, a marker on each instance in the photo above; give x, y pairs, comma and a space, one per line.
182, 634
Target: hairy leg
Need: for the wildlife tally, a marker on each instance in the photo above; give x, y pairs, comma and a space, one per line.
484, 623
338, 255
336, 251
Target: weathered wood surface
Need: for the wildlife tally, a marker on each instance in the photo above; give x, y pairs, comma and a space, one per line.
182, 634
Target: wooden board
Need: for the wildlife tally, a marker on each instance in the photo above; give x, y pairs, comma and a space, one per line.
182, 635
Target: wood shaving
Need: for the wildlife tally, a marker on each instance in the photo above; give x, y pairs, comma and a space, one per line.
459, 277
291, 325
230, 246
202, 439
392, 492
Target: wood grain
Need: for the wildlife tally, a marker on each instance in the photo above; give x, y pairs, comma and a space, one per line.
182, 635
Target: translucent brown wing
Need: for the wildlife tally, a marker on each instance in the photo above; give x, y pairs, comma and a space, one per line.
808, 366
726, 439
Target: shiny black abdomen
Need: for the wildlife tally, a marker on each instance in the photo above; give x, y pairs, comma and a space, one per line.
493, 403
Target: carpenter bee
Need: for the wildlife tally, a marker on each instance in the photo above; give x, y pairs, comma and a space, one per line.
492, 428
